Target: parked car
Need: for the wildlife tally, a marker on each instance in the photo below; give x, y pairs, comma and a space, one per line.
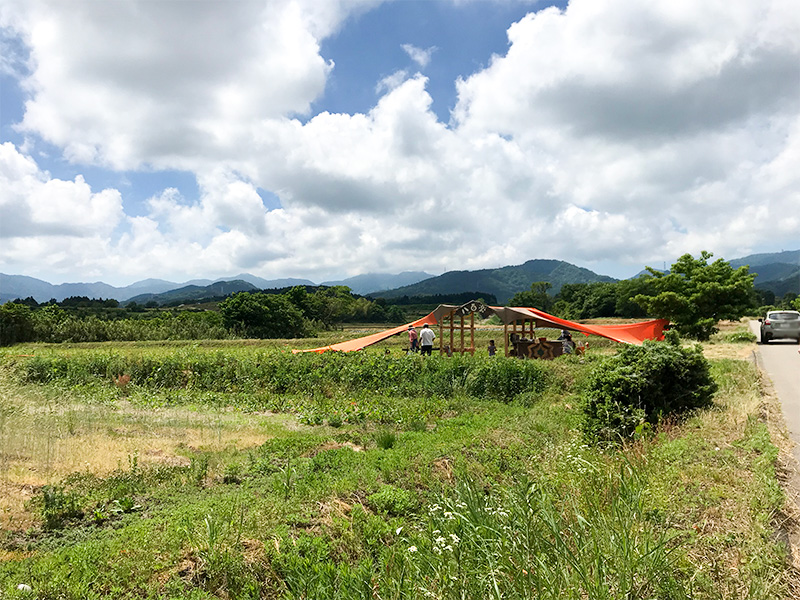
781, 325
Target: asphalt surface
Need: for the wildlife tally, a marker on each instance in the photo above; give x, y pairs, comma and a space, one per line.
781, 361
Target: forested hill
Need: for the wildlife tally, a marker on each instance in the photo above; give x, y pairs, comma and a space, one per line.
196, 293
503, 282
778, 272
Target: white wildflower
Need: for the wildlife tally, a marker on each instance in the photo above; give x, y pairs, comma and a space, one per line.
412, 549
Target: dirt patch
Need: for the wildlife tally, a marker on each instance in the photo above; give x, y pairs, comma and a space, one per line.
336, 445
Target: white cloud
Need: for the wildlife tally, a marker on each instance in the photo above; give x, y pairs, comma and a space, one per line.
32, 204
613, 130
421, 56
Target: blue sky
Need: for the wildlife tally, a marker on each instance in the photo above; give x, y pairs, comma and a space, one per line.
293, 138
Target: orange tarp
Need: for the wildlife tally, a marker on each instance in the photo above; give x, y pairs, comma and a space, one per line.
632, 333
361, 343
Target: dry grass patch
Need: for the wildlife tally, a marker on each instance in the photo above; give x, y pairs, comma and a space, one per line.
44, 438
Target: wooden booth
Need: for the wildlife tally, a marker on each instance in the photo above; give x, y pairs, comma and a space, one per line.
457, 326
520, 336
457, 330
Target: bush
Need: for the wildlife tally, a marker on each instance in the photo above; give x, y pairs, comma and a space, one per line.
642, 384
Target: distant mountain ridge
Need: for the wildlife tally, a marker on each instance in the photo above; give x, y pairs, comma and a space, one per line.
503, 282
778, 272
373, 282
196, 293
21, 286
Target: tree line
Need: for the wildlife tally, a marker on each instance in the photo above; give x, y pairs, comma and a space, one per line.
294, 312
694, 295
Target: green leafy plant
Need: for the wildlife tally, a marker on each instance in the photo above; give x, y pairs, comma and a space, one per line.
392, 500
232, 473
198, 468
385, 439
59, 506
642, 384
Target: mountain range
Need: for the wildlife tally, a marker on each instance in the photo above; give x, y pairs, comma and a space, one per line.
778, 272
503, 282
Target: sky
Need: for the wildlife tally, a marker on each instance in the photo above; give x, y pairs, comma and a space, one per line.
183, 139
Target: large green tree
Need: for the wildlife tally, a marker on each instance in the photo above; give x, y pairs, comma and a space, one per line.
262, 315
695, 294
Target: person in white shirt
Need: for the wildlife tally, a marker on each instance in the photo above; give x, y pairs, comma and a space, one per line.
426, 337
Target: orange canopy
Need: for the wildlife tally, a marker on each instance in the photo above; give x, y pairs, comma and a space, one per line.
632, 333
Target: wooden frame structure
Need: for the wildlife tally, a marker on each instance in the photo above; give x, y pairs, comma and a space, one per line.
457, 330
448, 324
521, 319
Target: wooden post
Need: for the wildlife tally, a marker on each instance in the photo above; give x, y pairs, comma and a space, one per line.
441, 333
505, 338
452, 328
472, 332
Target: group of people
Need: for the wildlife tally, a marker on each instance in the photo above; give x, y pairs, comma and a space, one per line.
422, 341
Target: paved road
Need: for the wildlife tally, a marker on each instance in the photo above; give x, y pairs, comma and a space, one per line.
781, 360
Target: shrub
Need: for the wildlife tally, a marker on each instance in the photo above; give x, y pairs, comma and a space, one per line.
642, 384
58, 506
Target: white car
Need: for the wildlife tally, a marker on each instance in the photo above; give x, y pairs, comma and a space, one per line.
780, 325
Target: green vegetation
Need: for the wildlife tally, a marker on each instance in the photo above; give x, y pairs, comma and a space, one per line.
292, 313
536, 297
373, 476
641, 385
695, 295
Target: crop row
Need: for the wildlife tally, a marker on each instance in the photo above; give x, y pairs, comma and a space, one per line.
274, 372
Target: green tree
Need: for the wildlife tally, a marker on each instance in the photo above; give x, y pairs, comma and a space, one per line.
262, 315
16, 324
695, 295
536, 297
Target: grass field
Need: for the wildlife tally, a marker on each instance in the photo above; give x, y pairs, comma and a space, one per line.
237, 470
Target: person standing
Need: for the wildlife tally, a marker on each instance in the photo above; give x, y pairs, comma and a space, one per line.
492, 348
426, 337
412, 339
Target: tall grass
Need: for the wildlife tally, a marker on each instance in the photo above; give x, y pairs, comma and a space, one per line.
524, 541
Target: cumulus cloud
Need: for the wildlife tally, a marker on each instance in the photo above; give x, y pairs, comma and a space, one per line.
611, 130
33, 204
